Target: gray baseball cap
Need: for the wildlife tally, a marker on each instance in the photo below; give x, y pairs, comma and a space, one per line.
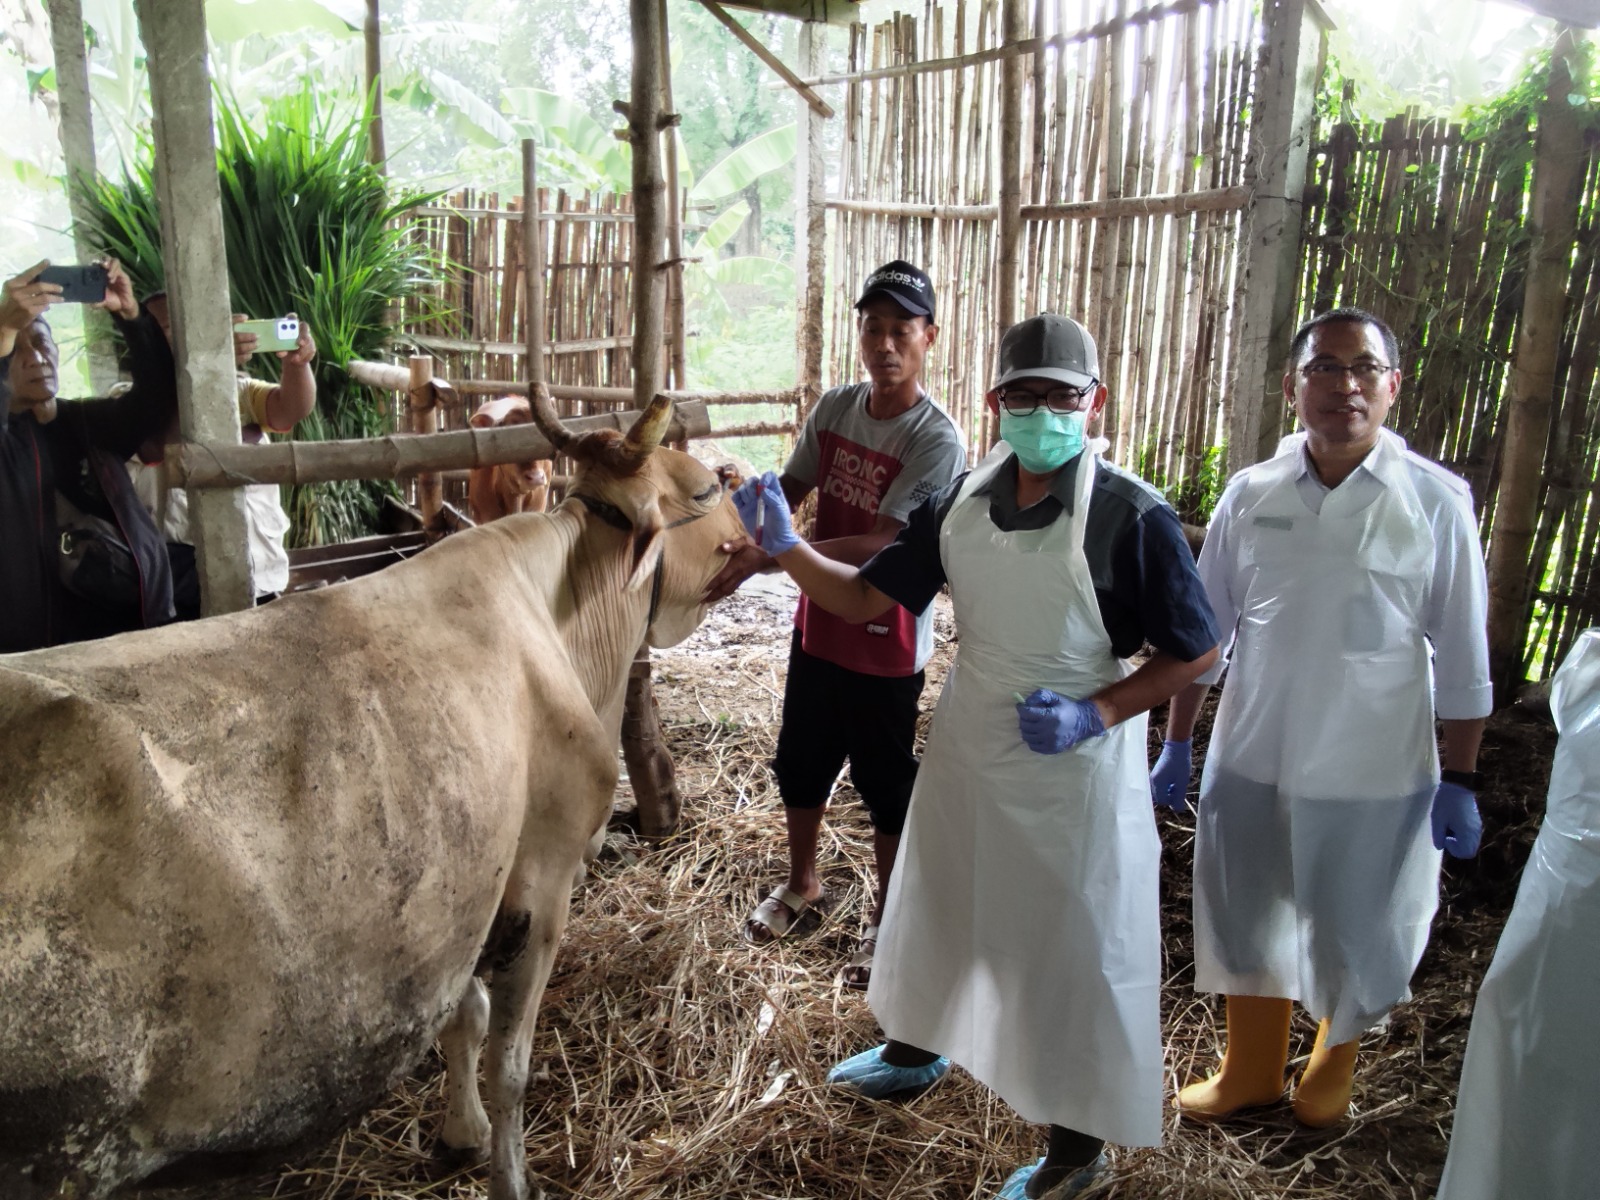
1049, 346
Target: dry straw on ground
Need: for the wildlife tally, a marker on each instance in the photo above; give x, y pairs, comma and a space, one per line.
674, 1062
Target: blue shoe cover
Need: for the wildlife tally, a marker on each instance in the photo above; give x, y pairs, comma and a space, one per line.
867, 1074
1016, 1184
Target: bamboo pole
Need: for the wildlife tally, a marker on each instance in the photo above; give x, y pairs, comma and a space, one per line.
425, 420
1557, 178
817, 103
77, 154
678, 350
1010, 220
377, 154
811, 228
533, 265
212, 465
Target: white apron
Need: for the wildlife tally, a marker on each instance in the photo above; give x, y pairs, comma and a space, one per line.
1315, 876
1529, 1104
1022, 935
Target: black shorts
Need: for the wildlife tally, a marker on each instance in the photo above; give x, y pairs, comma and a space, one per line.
830, 714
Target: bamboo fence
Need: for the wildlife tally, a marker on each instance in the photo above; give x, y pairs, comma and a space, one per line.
1132, 170
1426, 227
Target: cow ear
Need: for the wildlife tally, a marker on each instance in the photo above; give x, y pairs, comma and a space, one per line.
648, 532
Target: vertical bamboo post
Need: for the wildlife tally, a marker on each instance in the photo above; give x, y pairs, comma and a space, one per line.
377, 155
174, 34
678, 350
1275, 172
1557, 182
425, 419
77, 152
533, 272
1014, 17
811, 224
650, 769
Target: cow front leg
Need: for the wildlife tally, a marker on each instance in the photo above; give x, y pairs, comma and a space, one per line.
531, 928
465, 1134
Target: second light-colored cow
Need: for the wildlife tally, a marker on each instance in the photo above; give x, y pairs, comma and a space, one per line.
248, 864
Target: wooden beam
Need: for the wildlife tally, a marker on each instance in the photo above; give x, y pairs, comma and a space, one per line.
832, 12
1275, 174
174, 35
818, 105
220, 465
646, 120
811, 232
77, 153
1558, 171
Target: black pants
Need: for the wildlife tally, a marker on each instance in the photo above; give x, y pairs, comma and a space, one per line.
830, 714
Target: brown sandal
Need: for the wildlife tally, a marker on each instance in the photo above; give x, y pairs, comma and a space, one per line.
857, 973
779, 913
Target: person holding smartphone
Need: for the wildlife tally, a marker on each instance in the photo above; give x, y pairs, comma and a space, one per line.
62, 487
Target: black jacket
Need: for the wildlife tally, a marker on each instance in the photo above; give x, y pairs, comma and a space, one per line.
81, 453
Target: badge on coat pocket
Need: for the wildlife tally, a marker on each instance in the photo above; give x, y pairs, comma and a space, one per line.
1274, 522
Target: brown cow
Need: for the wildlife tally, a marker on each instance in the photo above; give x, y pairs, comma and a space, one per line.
495, 492
248, 865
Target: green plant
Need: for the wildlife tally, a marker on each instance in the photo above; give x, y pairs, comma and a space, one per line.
309, 228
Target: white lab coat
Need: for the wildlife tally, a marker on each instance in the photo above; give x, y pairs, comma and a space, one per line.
1315, 873
1530, 1088
1022, 933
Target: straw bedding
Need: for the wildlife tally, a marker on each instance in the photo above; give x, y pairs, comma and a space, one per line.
674, 1062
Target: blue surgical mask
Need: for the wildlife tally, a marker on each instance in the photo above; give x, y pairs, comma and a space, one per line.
1044, 441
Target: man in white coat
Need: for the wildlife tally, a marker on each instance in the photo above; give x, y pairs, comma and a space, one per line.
1529, 1103
1338, 562
1021, 936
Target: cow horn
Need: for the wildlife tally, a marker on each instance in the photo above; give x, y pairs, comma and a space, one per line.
544, 416
650, 428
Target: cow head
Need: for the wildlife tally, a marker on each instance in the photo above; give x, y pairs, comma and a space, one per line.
675, 510
529, 480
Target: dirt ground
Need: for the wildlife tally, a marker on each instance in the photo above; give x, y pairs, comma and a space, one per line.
673, 1060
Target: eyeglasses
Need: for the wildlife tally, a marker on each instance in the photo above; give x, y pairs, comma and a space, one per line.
1060, 400
1365, 371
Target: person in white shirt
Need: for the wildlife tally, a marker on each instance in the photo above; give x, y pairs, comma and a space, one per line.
1322, 807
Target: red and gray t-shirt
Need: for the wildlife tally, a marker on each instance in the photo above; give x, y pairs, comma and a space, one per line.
863, 467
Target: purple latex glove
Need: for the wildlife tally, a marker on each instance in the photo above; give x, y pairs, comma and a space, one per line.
1169, 781
1050, 723
762, 507
1457, 827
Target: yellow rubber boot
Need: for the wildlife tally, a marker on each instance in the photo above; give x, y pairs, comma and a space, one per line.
1252, 1065
1323, 1095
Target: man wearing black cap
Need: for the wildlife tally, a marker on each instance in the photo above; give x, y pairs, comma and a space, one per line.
873, 452
1021, 935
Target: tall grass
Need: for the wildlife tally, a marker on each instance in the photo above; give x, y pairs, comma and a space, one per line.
310, 228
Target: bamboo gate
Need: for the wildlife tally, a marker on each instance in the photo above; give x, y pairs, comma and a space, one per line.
1132, 164
1425, 226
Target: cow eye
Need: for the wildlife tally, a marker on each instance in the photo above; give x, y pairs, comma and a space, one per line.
712, 493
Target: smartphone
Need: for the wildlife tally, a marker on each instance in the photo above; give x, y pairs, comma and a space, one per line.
79, 285
274, 333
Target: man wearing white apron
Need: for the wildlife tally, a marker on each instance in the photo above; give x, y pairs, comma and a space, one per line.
1322, 807
1021, 936
1528, 1103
